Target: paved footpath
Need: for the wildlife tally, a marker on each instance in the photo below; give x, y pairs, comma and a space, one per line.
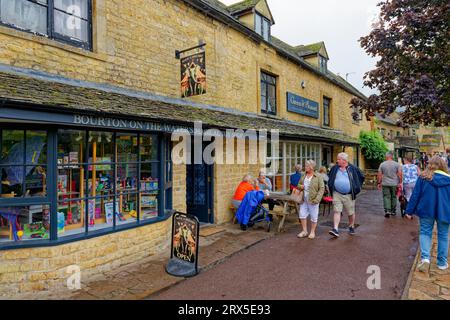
285, 267
431, 285
260, 265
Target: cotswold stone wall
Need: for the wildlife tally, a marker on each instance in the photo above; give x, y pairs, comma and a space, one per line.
134, 47
45, 269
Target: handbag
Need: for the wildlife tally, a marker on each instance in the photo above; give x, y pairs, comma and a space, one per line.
297, 196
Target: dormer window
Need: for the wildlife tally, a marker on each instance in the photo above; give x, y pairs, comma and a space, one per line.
262, 26
322, 64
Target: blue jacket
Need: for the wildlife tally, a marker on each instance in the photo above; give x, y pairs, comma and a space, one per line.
248, 206
431, 198
354, 174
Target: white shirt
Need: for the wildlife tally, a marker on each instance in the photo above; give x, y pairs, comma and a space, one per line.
307, 182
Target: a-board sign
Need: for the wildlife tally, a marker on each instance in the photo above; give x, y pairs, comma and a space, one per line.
184, 248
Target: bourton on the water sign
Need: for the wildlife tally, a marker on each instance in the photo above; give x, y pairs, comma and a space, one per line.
126, 124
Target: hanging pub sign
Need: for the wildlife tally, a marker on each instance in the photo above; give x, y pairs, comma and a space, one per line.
193, 75
184, 248
193, 71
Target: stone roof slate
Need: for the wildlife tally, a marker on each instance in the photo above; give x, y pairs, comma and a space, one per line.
20, 89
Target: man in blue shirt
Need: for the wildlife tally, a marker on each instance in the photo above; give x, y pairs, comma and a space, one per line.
345, 183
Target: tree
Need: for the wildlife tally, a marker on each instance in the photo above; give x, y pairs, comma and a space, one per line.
373, 147
413, 72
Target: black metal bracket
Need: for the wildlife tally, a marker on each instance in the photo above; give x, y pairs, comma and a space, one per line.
179, 52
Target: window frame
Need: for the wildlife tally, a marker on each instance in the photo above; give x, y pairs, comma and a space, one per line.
267, 84
323, 64
264, 21
292, 152
52, 34
326, 107
51, 199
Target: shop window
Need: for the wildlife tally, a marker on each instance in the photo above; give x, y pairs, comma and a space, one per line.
31, 222
326, 112
64, 20
291, 153
117, 185
23, 163
268, 94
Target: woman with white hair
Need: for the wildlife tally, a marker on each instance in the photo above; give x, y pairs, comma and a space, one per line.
313, 187
247, 184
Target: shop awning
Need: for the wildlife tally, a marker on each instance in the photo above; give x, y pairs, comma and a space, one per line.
38, 92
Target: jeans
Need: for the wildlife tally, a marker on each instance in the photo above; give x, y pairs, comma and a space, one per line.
408, 187
390, 199
425, 238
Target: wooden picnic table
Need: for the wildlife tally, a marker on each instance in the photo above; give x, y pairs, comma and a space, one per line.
287, 204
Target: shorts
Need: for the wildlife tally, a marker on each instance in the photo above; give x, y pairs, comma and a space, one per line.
343, 202
307, 209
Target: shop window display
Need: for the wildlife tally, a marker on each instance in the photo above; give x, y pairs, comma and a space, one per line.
23, 163
24, 223
102, 180
149, 187
107, 187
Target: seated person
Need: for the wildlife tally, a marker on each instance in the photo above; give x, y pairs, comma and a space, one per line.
264, 184
295, 178
247, 184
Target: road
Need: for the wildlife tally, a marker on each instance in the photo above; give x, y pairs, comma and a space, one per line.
288, 268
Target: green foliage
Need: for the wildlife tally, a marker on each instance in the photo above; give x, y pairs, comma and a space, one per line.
373, 147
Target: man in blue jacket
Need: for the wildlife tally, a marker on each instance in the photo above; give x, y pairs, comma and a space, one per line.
345, 184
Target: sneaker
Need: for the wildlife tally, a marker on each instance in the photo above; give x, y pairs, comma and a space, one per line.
423, 265
302, 234
443, 267
351, 231
387, 215
334, 233
243, 227
394, 213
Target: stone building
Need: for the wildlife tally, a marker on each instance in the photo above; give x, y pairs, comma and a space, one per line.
413, 139
90, 95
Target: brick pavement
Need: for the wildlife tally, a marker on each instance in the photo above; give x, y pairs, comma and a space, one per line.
431, 285
146, 277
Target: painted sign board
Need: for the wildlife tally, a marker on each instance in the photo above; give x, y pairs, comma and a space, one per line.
302, 105
184, 249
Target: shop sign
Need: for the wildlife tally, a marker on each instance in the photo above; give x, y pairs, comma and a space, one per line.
302, 105
193, 75
184, 249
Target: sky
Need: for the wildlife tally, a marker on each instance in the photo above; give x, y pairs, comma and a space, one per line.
339, 23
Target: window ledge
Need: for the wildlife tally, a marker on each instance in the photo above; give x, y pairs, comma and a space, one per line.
24, 35
75, 238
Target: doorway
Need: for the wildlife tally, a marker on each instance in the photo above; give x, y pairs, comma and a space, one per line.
199, 190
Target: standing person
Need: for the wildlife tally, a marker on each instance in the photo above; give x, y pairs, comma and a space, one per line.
345, 184
295, 178
410, 175
313, 187
431, 202
390, 177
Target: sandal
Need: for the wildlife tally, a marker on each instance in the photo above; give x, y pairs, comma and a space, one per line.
302, 234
